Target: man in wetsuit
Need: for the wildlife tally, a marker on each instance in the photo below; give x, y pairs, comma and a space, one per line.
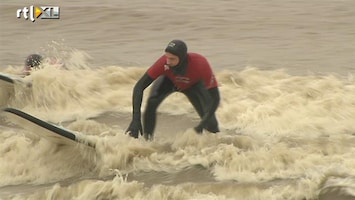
176, 71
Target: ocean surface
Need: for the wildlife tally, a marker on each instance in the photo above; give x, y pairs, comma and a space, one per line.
287, 115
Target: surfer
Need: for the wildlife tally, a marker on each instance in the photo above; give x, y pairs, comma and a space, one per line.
34, 61
176, 71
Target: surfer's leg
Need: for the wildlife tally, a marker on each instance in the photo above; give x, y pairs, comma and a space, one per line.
200, 99
161, 88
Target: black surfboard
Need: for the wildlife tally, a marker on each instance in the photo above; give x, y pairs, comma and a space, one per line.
64, 134
12, 78
6, 78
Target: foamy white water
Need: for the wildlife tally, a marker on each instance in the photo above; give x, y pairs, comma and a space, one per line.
287, 114
282, 136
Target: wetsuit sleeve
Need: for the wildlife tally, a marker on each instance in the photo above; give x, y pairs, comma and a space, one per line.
214, 92
152, 73
215, 99
137, 97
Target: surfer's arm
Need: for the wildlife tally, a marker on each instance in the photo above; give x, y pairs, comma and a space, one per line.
137, 97
140, 86
215, 98
214, 92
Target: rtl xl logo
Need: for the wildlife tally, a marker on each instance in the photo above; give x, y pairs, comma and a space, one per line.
42, 12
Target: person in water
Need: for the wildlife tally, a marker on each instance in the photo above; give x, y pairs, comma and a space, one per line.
33, 61
176, 71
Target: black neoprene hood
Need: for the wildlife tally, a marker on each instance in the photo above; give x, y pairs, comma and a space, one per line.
178, 48
33, 60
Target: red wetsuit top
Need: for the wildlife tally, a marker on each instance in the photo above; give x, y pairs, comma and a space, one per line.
198, 69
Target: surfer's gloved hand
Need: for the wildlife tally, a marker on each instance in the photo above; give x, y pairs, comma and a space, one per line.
198, 129
135, 128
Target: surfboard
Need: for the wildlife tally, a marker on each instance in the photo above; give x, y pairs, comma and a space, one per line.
10, 78
51, 131
6, 78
